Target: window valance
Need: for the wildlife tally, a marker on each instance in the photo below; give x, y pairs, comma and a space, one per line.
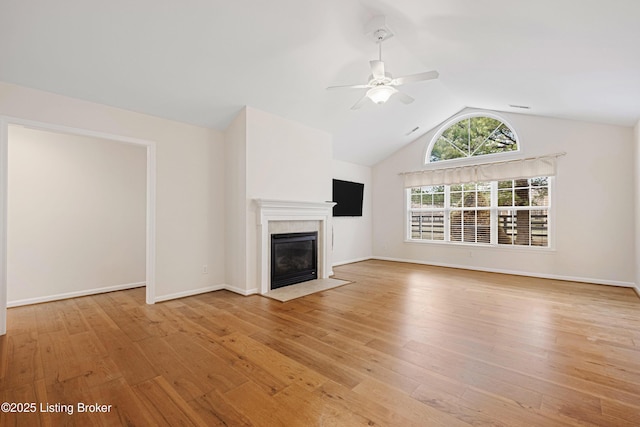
511, 169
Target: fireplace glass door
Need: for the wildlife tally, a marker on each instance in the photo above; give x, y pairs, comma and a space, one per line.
294, 258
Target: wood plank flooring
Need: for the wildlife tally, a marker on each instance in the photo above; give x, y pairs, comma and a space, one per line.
404, 345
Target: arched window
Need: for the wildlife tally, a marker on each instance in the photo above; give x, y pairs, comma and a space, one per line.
491, 203
471, 136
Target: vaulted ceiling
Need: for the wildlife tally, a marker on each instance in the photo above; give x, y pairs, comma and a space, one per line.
201, 61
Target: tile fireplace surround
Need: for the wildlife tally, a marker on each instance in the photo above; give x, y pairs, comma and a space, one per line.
285, 216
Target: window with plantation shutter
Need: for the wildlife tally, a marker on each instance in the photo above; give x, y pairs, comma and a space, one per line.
427, 221
523, 212
508, 212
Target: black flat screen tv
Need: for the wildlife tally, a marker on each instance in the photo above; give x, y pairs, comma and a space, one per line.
348, 198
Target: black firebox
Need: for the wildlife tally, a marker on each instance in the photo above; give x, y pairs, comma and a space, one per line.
294, 258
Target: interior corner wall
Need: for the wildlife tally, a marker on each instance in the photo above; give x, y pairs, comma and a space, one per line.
76, 215
352, 236
235, 145
189, 234
594, 214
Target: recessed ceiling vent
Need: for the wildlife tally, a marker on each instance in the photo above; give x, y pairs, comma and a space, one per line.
412, 130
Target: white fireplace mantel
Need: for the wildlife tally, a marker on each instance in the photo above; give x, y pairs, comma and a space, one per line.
287, 210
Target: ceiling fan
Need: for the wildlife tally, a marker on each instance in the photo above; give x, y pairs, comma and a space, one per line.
382, 85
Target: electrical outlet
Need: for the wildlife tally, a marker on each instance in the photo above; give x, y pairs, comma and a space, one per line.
205, 269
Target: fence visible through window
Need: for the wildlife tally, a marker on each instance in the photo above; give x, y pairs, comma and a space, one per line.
511, 212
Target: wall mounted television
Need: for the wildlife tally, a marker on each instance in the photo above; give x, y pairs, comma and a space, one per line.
348, 197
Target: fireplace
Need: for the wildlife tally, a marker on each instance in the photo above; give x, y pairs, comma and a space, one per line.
294, 258
286, 216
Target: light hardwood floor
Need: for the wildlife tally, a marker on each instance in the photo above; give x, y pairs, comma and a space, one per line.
403, 345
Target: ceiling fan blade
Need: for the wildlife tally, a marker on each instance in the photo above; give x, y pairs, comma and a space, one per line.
377, 69
348, 87
360, 102
428, 75
404, 98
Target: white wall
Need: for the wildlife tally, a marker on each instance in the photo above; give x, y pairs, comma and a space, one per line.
76, 215
278, 159
352, 236
286, 161
190, 167
593, 192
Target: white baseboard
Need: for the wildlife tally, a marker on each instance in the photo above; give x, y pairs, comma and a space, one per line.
206, 289
246, 292
637, 289
241, 291
516, 272
335, 264
75, 294
190, 293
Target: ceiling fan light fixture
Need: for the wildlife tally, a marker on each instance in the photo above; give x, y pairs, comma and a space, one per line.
380, 94
381, 85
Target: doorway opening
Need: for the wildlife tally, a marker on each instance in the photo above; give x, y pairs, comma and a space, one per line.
149, 220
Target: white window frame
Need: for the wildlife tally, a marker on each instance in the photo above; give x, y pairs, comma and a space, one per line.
472, 159
494, 209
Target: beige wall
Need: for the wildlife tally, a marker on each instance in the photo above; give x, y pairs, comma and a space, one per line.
76, 215
594, 206
190, 168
